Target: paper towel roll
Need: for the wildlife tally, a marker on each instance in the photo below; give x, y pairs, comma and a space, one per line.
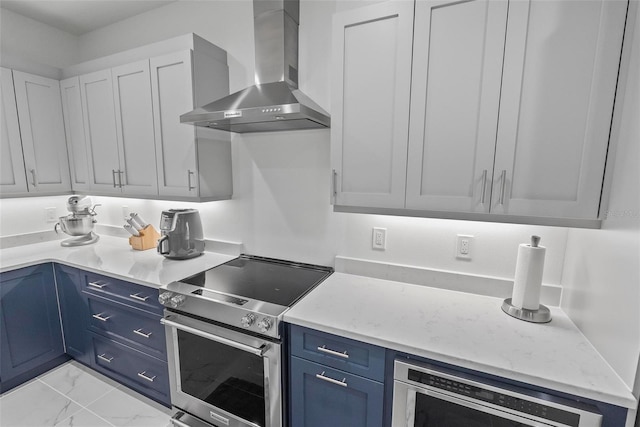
528, 279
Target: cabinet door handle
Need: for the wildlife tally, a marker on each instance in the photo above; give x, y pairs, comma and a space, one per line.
324, 349
189, 173
322, 377
34, 177
503, 178
104, 357
335, 184
484, 186
100, 317
146, 377
120, 184
97, 285
142, 334
113, 175
138, 297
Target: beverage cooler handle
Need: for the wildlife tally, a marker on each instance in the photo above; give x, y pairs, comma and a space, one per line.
160, 242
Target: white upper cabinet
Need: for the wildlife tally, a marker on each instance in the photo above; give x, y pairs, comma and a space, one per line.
134, 125
193, 162
12, 173
560, 71
370, 104
172, 85
510, 108
42, 131
74, 130
100, 132
455, 95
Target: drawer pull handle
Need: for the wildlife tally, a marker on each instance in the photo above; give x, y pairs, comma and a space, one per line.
342, 383
142, 334
138, 297
104, 357
324, 349
142, 375
97, 285
100, 317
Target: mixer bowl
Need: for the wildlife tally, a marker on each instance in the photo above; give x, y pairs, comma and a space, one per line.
76, 226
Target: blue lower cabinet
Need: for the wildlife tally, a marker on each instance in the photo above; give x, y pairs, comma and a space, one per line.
322, 396
30, 334
74, 312
139, 371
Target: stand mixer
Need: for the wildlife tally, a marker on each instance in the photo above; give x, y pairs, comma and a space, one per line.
79, 222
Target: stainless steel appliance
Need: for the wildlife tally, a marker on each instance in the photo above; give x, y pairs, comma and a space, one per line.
224, 340
274, 103
425, 395
182, 235
79, 222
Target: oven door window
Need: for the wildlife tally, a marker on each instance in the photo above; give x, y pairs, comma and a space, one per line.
433, 412
222, 376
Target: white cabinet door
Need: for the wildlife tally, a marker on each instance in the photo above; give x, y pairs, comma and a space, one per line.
172, 94
134, 124
12, 173
370, 104
42, 131
100, 132
455, 95
560, 70
74, 130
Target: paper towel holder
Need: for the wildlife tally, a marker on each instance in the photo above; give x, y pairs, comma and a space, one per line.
541, 315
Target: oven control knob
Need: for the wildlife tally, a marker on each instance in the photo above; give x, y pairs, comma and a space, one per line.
176, 301
264, 325
164, 298
247, 320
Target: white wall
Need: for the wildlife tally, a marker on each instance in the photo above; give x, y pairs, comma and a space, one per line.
602, 270
34, 41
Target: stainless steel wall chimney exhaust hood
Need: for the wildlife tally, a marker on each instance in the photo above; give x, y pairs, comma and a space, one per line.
274, 103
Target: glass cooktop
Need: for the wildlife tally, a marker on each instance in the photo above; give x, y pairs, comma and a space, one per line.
263, 279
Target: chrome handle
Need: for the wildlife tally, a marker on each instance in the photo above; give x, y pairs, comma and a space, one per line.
324, 349
322, 377
138, 297
189, 173
503, 177
335, 185
143, 376
100, 318
231, 343
484, 186
175, 420
97, 285
104, 357
113, 176
34, 179
120, 184
142, 334
220, 418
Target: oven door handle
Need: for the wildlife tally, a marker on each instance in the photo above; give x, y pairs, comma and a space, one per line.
226, 341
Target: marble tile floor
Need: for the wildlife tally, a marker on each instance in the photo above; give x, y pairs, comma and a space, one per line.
73, 395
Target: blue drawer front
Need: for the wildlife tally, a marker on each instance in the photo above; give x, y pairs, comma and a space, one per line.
143, 297
318, 401
134, 327
143, 373
342, 353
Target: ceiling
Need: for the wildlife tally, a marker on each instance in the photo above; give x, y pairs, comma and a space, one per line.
80, 16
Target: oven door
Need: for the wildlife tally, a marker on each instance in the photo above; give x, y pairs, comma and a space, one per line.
222, 376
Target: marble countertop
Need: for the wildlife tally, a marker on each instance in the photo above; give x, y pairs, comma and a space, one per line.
461, 329
114, 257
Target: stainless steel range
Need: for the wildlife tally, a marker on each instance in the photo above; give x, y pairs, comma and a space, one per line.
224, 337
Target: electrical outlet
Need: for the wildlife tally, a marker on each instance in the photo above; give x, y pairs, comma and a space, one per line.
379, 238
125, 211
464, 246
51, 214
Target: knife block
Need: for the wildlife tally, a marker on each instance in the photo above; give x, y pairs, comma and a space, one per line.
148, 239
